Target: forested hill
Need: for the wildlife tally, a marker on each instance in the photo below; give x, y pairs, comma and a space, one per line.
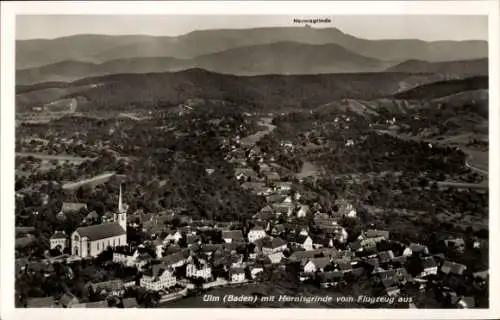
444, 88
153, 90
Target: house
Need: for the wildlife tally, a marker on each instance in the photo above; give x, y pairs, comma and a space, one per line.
276, 257
343, 265
330, 279
230, 236
283, 208
453, 268
254, 271
278, 229
391, 288
303, 256
59, 240
338, 233
202, 270
68, 300
173, 237
303, 211
399, 261
256, 233
192, 239
376, 235
271, 176
245, 174
283, 186
125, 256
45, 302
385, 256
415, 248
176, 260
237, 274
316, 264
399, 274
429, 265
109, 288
457, 244
130, 303
263, 191
158, 277
344, 208
304, 241
273, 246
275, 198
159, 248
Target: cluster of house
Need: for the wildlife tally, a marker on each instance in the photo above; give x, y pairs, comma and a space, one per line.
112, 293
240, 255
214, 253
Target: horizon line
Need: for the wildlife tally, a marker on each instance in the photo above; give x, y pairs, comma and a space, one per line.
240, 29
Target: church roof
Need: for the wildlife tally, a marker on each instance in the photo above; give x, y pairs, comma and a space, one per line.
101, 231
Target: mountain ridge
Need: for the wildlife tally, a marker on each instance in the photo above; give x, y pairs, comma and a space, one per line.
284, 57
100, 48
160, 90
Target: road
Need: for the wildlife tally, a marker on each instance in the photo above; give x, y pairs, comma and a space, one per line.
49, 157
481, 171
252, 139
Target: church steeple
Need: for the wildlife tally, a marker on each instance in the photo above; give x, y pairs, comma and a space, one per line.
120, 201
121, 215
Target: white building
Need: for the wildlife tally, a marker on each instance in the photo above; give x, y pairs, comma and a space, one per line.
58, 240
158, 278
173, 237
303, 211
430, 267
273, 246
126, 259
316, 264
237, 274
305, 242
204, 271
256, 233
255, 271
276, 257
92, 240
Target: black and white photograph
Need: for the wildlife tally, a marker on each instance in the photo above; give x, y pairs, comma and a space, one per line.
288, 161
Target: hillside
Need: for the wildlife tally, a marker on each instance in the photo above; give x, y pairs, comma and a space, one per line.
275, 58
101, 48
473, 67
288, 58
444, 88
161, 90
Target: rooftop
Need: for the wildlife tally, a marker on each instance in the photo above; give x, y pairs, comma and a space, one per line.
101, 231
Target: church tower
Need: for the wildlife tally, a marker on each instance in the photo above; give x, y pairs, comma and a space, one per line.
121, 215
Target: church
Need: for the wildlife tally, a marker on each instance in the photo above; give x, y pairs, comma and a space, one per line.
92, 240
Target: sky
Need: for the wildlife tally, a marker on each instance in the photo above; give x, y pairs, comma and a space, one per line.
424, 27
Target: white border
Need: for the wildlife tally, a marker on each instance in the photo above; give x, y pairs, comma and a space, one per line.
10, 9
